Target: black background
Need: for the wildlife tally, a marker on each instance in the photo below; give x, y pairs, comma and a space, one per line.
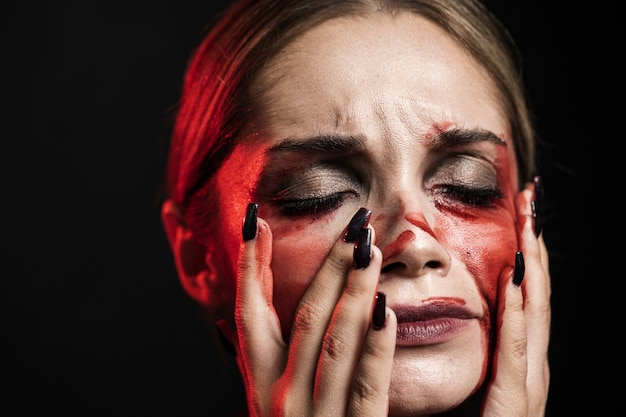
94, 322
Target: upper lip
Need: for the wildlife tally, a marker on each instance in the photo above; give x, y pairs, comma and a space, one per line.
431, 311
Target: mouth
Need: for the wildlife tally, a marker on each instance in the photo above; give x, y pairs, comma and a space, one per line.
430, 324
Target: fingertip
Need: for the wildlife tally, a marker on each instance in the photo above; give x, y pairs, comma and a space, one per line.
379, 315
391, 321
249, 226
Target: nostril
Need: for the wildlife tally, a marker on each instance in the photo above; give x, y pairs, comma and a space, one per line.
400, 265
433, 264
390, 267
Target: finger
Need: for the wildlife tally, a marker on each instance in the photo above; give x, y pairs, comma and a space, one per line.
262, 350
535, 252
506, 394
343, 341
537, 286
370, 390
537, 307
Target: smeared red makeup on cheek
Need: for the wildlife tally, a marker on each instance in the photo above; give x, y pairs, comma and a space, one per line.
299, 248
485, 244
486, 249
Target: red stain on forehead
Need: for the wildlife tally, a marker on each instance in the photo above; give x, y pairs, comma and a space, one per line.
437, 128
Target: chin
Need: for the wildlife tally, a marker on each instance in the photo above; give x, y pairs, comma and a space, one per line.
436, 378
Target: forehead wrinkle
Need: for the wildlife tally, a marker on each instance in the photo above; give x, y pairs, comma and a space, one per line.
415, 116
400, 119
384, 118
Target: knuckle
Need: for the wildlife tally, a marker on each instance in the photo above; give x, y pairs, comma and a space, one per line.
363, 389
334, 345
307, 317
519, 348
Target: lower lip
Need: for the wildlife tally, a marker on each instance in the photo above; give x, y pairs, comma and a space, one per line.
429, 332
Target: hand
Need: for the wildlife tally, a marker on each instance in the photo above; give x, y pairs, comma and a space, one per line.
521, 369
335, 362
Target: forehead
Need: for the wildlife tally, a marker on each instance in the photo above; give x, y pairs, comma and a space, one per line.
356, 74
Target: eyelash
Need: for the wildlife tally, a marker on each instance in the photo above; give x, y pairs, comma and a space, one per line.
475, 197
308, 206
447, 195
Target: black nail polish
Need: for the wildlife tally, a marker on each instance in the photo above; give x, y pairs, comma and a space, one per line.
360, 220
537, 205
378, 315
363, 248
518, 271
249, 224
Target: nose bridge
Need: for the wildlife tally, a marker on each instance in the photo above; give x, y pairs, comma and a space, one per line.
409, 244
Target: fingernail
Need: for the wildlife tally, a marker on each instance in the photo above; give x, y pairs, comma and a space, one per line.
362, 248
378, 316
360, 220
249, 223
537, 205
518, 271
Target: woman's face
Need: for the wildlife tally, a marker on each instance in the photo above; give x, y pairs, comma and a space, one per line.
391, 114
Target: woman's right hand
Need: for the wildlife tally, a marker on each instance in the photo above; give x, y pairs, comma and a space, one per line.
336, 362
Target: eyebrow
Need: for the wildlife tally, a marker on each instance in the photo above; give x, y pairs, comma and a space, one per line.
461, 136
321, 143
337, 143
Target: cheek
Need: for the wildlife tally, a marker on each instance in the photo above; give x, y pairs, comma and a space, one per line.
486, 246
233, 183
296, 258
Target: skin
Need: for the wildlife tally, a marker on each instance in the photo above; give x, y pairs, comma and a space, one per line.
391, 87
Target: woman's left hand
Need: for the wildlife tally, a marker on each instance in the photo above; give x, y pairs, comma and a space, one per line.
521, 372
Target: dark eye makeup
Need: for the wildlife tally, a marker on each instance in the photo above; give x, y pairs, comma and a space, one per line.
310, 206
474, 197
459, 180
312, 190
463, 180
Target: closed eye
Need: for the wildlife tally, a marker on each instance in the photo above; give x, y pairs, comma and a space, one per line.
295, 207
475, 197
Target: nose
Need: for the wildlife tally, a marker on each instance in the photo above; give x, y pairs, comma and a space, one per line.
413, 249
